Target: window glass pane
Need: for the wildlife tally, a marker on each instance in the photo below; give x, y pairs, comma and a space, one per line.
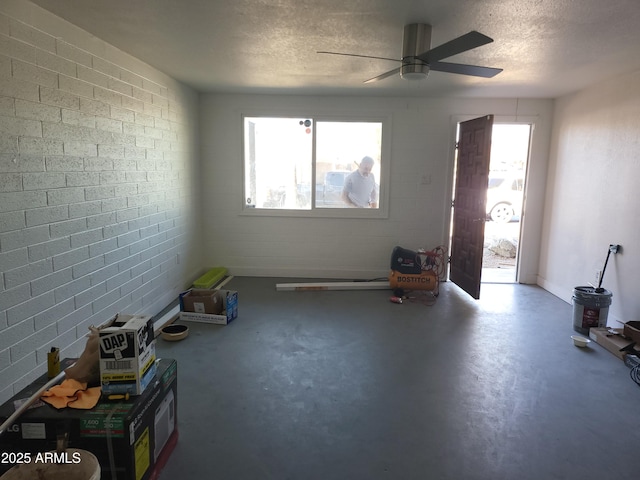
343, 178
278, 162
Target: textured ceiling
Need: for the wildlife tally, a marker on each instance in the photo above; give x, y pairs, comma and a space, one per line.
547, 48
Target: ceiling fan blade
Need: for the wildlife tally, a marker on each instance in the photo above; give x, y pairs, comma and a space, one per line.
461, 44
384, 75
361, 56
473, 70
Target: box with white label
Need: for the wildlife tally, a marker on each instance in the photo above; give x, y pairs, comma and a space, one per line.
219, 307
127, 355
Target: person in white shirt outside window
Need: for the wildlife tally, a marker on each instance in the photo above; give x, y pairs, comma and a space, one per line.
360, 186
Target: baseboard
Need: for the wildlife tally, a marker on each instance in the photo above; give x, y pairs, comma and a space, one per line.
316, 273
167, 316
556, 290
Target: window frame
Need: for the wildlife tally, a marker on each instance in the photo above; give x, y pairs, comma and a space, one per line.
324, 212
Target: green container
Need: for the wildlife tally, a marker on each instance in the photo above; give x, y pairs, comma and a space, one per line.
210, 278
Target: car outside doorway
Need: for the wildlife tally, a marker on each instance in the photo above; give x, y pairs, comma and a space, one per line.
505, 201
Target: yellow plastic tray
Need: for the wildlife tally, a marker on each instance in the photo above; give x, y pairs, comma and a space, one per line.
210, 278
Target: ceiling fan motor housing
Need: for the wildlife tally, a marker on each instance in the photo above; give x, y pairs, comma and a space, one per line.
417, 40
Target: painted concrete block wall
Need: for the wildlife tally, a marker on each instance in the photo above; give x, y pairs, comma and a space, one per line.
422, 143
97, 152
592, 198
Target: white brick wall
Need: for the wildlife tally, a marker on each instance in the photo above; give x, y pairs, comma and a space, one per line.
96, 165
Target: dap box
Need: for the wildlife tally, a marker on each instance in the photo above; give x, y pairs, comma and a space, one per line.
127, 354
131, 439
218, 307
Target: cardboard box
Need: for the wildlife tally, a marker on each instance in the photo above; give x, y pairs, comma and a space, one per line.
610, 341
127, 354
203, 301
631, 330
224, 302
131, 439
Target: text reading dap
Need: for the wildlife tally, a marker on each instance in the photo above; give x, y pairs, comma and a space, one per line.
112, 343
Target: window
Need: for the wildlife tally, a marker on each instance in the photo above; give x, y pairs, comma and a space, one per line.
314, 166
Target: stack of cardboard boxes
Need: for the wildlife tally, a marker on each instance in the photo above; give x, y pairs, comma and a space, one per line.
133, 428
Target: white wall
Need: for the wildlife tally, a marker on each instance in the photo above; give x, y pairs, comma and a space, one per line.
593, 194
97, 152
423, 136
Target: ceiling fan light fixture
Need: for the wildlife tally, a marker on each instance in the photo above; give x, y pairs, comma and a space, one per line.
414, 71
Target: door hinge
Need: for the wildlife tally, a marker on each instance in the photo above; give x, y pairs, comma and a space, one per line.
457, 145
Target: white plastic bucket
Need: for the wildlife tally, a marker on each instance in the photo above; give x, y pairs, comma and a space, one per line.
590, 308
72, 464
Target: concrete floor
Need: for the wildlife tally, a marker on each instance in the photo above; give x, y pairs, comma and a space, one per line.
347, 385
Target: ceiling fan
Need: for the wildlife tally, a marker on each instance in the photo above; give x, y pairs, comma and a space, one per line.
418, 59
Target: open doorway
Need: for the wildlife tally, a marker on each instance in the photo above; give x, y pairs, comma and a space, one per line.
487, 208
505, 198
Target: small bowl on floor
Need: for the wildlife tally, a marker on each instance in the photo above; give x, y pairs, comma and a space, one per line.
173, 333
579, 341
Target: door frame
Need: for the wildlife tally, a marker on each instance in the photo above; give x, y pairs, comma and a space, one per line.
528, 226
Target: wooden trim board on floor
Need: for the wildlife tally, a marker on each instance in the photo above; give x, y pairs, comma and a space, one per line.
298, 287
223, 282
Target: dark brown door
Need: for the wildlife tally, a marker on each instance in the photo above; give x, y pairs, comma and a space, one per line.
469, 205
